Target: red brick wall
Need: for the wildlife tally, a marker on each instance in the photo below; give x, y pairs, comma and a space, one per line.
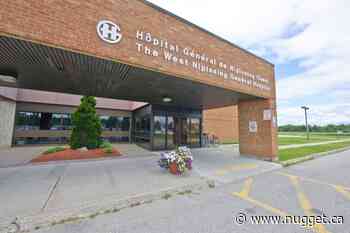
263, 143
71, 24
222, 122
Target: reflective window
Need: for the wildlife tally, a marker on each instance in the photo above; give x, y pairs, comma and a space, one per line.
142, 132
113, 123
159, 132
44, 128
57, 121
171, 133
195, 132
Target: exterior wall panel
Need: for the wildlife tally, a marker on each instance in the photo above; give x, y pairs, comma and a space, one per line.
7, 121
222, 122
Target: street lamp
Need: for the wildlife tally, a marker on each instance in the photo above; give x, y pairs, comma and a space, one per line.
307, 125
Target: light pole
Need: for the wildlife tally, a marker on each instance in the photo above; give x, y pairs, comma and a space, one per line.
306, 124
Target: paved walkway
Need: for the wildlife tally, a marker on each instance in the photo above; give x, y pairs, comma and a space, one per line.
19, 155
311, 144
31, 190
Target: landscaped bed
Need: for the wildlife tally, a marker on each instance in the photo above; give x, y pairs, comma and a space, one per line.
61, 154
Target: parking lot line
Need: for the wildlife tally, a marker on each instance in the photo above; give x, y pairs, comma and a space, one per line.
342, 190
234, 168
313, 180
247, 186
261, 204
305, 203
345, 191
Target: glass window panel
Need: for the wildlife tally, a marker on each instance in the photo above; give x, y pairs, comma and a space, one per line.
195, 132
159, 132
28, 121
171, 133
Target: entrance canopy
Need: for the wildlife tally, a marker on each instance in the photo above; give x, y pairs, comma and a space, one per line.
36, 66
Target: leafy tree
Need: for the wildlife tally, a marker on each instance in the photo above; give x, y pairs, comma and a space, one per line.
315, 128
86, 125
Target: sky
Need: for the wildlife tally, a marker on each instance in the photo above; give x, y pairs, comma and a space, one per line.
307, 40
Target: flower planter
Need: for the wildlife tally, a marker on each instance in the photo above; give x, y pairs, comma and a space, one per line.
177, 162
173, 168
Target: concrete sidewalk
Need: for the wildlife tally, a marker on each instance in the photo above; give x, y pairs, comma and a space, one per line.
16, 156
44, 190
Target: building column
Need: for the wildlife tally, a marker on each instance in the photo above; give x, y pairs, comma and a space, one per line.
7, 121
258, 128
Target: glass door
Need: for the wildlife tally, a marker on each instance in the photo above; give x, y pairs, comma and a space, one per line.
159, 133
181, 128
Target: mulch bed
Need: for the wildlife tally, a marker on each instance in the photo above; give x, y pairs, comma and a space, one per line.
70, 154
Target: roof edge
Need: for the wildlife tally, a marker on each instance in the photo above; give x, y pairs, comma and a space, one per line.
203, 29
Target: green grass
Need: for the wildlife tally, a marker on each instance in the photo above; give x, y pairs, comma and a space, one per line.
318, 134
300, 137
54, 150
294, 140
293, 153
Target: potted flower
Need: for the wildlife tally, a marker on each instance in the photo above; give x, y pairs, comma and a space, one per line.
178, 161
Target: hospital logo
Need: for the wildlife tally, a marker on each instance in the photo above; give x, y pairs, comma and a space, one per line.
109, 32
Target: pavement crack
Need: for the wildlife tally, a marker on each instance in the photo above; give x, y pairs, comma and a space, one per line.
54, 187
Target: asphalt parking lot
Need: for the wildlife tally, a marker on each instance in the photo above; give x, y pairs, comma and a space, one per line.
316, 188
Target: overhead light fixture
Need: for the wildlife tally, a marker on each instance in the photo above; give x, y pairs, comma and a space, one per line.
167, 99
7, 79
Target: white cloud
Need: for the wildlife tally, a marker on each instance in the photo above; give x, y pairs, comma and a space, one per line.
315, 33
318, 114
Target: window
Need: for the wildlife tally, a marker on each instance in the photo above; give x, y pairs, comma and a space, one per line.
113, 123
159, 132
195, 132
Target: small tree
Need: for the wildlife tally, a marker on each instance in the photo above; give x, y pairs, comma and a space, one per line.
86, 125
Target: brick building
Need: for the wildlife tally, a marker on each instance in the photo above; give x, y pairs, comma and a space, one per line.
161, 80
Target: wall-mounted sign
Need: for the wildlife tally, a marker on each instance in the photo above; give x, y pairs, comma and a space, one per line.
197, 59
267, 114
190, 56
109, 31
253, 127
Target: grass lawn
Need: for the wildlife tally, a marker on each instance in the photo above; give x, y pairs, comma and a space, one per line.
302, 140
318, 134
300, 137
292, 153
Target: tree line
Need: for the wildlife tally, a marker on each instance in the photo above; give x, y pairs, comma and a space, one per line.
315, 128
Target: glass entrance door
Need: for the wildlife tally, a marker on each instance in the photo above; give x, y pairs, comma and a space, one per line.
181, 127
172, 130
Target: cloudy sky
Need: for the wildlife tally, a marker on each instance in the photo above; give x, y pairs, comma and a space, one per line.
307, 40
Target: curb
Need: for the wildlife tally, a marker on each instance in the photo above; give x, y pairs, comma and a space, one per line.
93, 209
311, 157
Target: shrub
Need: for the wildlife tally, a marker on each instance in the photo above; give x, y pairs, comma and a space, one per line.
54, 150
108, 150
86, 125
105, 145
